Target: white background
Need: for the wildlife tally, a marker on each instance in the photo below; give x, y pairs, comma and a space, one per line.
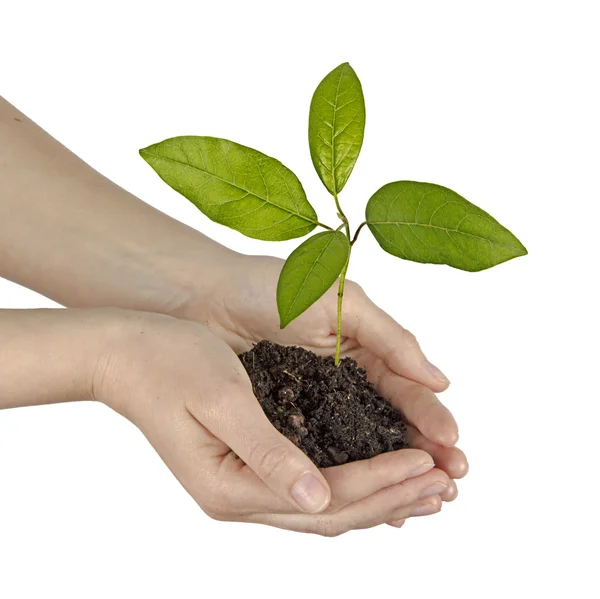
498, 101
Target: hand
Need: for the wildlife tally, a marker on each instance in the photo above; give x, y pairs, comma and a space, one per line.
243, 312
189, 394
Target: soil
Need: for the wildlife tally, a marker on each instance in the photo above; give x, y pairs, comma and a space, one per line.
332, 413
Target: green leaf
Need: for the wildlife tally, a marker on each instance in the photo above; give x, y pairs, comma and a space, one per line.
429, 223
235, 186
336, 126
311, 269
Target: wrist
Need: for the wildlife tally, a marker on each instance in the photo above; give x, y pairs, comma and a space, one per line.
131, 346
196, 283
49, 356
117, 332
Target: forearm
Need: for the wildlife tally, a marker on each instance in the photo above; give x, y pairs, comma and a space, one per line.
71, 234
50, 356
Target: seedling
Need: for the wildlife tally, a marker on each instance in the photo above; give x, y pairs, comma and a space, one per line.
258, 196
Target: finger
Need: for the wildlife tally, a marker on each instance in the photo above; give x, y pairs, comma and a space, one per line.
449, 459
376, 509
424, 507
357, 480
209, 471
348, 483
231, 413
242, 492
398, 502
383, 336
451, 493
397, 523
420, 407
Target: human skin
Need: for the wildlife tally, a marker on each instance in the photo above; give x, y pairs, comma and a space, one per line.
188, 393
69, 233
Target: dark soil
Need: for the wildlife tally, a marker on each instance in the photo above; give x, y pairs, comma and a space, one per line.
332, 413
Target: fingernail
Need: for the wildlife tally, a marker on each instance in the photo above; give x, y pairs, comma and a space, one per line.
434, 489
422, 469
425, 510
309, 493
436, 373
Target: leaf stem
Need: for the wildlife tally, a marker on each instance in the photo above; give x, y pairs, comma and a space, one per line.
340, 296
324, 226
357, 232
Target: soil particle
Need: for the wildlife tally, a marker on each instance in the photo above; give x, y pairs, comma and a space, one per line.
332, 413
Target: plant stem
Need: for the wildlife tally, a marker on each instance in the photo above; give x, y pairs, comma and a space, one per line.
324, 226
342, 215
357, 232
340, 297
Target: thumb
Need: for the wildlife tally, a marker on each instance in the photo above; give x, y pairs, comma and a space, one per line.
242, 425
378, 332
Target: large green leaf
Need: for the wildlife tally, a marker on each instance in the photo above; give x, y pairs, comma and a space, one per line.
235, 186
424, 222
336, 126
311, 269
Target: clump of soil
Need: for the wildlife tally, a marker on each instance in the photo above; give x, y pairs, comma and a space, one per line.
332, 413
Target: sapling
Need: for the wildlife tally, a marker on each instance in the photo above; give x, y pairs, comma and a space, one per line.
258, 196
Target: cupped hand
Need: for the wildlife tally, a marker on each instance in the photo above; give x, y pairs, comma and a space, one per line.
189, 394
244, 312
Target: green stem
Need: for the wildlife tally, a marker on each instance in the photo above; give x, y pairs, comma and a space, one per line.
324, 226
340, 297
342, 215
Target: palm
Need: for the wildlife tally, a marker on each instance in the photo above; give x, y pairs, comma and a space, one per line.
250, 310
253, 313
246, 312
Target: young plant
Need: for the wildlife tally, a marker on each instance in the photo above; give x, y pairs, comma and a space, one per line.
258, 196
